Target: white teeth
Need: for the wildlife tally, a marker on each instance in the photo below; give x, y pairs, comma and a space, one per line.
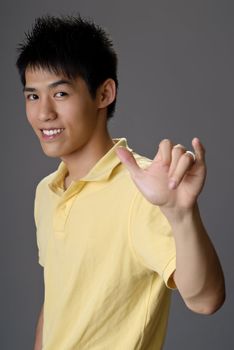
52, 132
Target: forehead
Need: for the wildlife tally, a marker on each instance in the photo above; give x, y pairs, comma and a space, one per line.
43, 76
40, 79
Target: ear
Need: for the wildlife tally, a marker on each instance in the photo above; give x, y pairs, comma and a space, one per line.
106, 93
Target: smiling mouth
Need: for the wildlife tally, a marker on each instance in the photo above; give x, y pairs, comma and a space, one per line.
50, 132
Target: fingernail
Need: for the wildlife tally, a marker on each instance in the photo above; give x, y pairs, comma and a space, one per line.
179, 146
172, 184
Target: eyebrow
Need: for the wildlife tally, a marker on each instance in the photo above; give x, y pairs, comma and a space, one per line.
50, 86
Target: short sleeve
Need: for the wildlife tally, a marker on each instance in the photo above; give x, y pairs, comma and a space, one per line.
36, 219
152, 238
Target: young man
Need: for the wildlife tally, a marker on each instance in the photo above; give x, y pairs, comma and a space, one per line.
116, 231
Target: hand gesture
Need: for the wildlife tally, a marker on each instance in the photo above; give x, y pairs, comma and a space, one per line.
175, 177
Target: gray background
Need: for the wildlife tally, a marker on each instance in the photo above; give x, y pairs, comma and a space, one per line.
176, 81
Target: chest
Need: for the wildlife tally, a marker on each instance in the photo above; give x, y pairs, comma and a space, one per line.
88, 232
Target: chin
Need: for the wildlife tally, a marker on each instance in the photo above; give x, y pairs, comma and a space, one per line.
52, 153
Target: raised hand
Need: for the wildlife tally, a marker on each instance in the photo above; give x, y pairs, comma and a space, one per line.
175, 177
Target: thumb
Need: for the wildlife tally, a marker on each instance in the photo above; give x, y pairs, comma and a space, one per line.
128, 160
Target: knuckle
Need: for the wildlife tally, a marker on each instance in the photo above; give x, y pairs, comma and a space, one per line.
179, 148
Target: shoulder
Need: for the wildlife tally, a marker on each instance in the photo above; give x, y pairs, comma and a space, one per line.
45, 181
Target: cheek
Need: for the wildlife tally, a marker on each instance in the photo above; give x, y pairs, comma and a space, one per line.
29, 115
84, 107
76, 115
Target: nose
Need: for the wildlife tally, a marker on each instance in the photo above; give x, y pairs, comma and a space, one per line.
46, 111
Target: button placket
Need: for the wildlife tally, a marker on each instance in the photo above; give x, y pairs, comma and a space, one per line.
63, 208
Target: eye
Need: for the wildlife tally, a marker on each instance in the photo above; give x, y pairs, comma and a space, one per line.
61, 94
32, 97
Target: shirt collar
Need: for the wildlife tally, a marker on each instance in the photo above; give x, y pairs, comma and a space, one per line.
101, 171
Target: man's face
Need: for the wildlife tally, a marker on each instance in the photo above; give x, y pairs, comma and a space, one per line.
61, 111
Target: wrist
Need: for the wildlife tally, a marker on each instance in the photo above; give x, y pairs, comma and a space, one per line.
182, 216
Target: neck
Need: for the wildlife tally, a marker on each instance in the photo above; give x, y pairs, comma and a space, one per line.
82, 161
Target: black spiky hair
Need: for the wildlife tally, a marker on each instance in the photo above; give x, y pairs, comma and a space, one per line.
72, 46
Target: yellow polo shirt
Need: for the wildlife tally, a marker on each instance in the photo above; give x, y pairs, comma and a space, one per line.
107, 255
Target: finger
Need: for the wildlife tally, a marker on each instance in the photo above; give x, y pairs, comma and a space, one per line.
184, 164
128, 160
198, 149
176, 153
158, 156
164, 152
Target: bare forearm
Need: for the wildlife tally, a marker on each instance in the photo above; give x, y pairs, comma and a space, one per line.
39, 331
198, 274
